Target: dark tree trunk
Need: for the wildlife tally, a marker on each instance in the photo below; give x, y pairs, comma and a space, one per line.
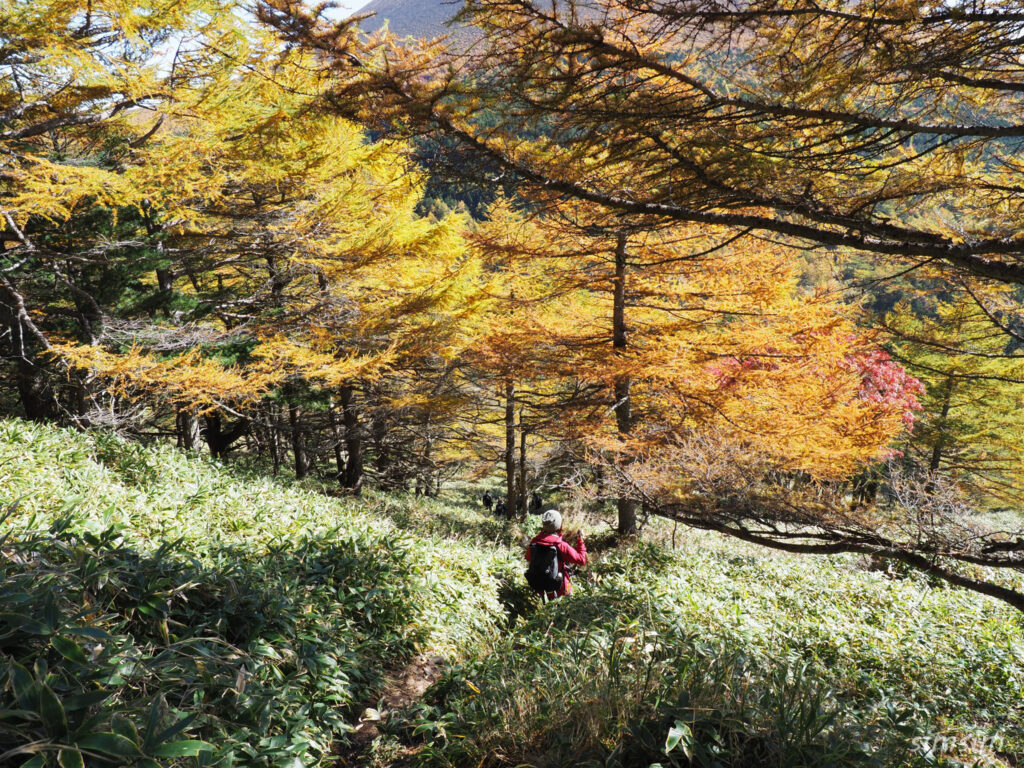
220, 439
165, 284
424, 483
298, 444
523, 493
623, 412
379, 433
339, 459
275, 437
278, 281
165, 280
353, 441
188, 431
511, 503
941, 426
37, 396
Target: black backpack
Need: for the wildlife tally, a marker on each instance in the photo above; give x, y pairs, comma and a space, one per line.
544, 574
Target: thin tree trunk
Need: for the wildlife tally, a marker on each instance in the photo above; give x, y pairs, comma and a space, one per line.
353, 442
275, 438
523, 493
424, 476
188, 431
379, 433
339, 459
298, 445
623, 412
511, 504
940, 440
37, 397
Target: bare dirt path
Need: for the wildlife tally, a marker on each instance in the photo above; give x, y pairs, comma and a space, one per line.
402, 687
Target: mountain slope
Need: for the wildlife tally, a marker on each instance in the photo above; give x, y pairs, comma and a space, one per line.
158, 605
414, 18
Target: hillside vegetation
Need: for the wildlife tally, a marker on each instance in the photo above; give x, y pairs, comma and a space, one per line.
160, 609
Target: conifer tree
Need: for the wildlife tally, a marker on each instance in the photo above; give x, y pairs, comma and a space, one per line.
971, 424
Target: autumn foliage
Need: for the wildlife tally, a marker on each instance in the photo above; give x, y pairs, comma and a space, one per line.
221, 228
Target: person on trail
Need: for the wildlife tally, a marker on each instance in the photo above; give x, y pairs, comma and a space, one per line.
488, 500
549, 556
536, 502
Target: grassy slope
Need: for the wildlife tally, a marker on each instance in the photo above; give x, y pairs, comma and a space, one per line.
722, 643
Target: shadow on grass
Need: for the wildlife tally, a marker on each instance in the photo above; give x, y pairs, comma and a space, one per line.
246, 656
430, 516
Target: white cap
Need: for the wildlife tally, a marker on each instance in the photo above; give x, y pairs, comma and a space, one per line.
551, 520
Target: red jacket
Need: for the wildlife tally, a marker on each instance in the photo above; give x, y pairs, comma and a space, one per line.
566, 555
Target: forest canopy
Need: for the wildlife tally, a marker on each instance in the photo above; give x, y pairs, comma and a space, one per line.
218, 229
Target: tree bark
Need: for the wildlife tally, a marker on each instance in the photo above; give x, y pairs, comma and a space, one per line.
339, 459
379, 434
523, 493
298, 444
188, 430
37, 397
511, 503
220, 440
275, 437
940, 438
623, 412
353, 442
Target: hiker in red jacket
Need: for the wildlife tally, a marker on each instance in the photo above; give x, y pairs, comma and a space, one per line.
549, 554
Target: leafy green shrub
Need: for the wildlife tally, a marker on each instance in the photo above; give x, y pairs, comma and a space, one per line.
158, 608
218, 607
717, 658
104, 651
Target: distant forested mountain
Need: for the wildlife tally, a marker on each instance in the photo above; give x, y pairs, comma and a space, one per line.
415, 18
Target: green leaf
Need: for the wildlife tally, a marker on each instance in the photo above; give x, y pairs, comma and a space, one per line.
52, 711
17, 714
680, 735
109, 744
126, 728
70, 758
50, 611
24, 623
85, 700
93, 632
24, 685
190, 748
152, 723
34, 762
176, 728
69, 649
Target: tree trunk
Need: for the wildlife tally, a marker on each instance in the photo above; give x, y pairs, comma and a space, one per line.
379, 433
165, 280
511, 504
523, 493
353, 442
940, 425
220, 440
188, 431
298, 445
275, 437
37, 397
278, 280
423, 477
623, 412
339, 459
165, 283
